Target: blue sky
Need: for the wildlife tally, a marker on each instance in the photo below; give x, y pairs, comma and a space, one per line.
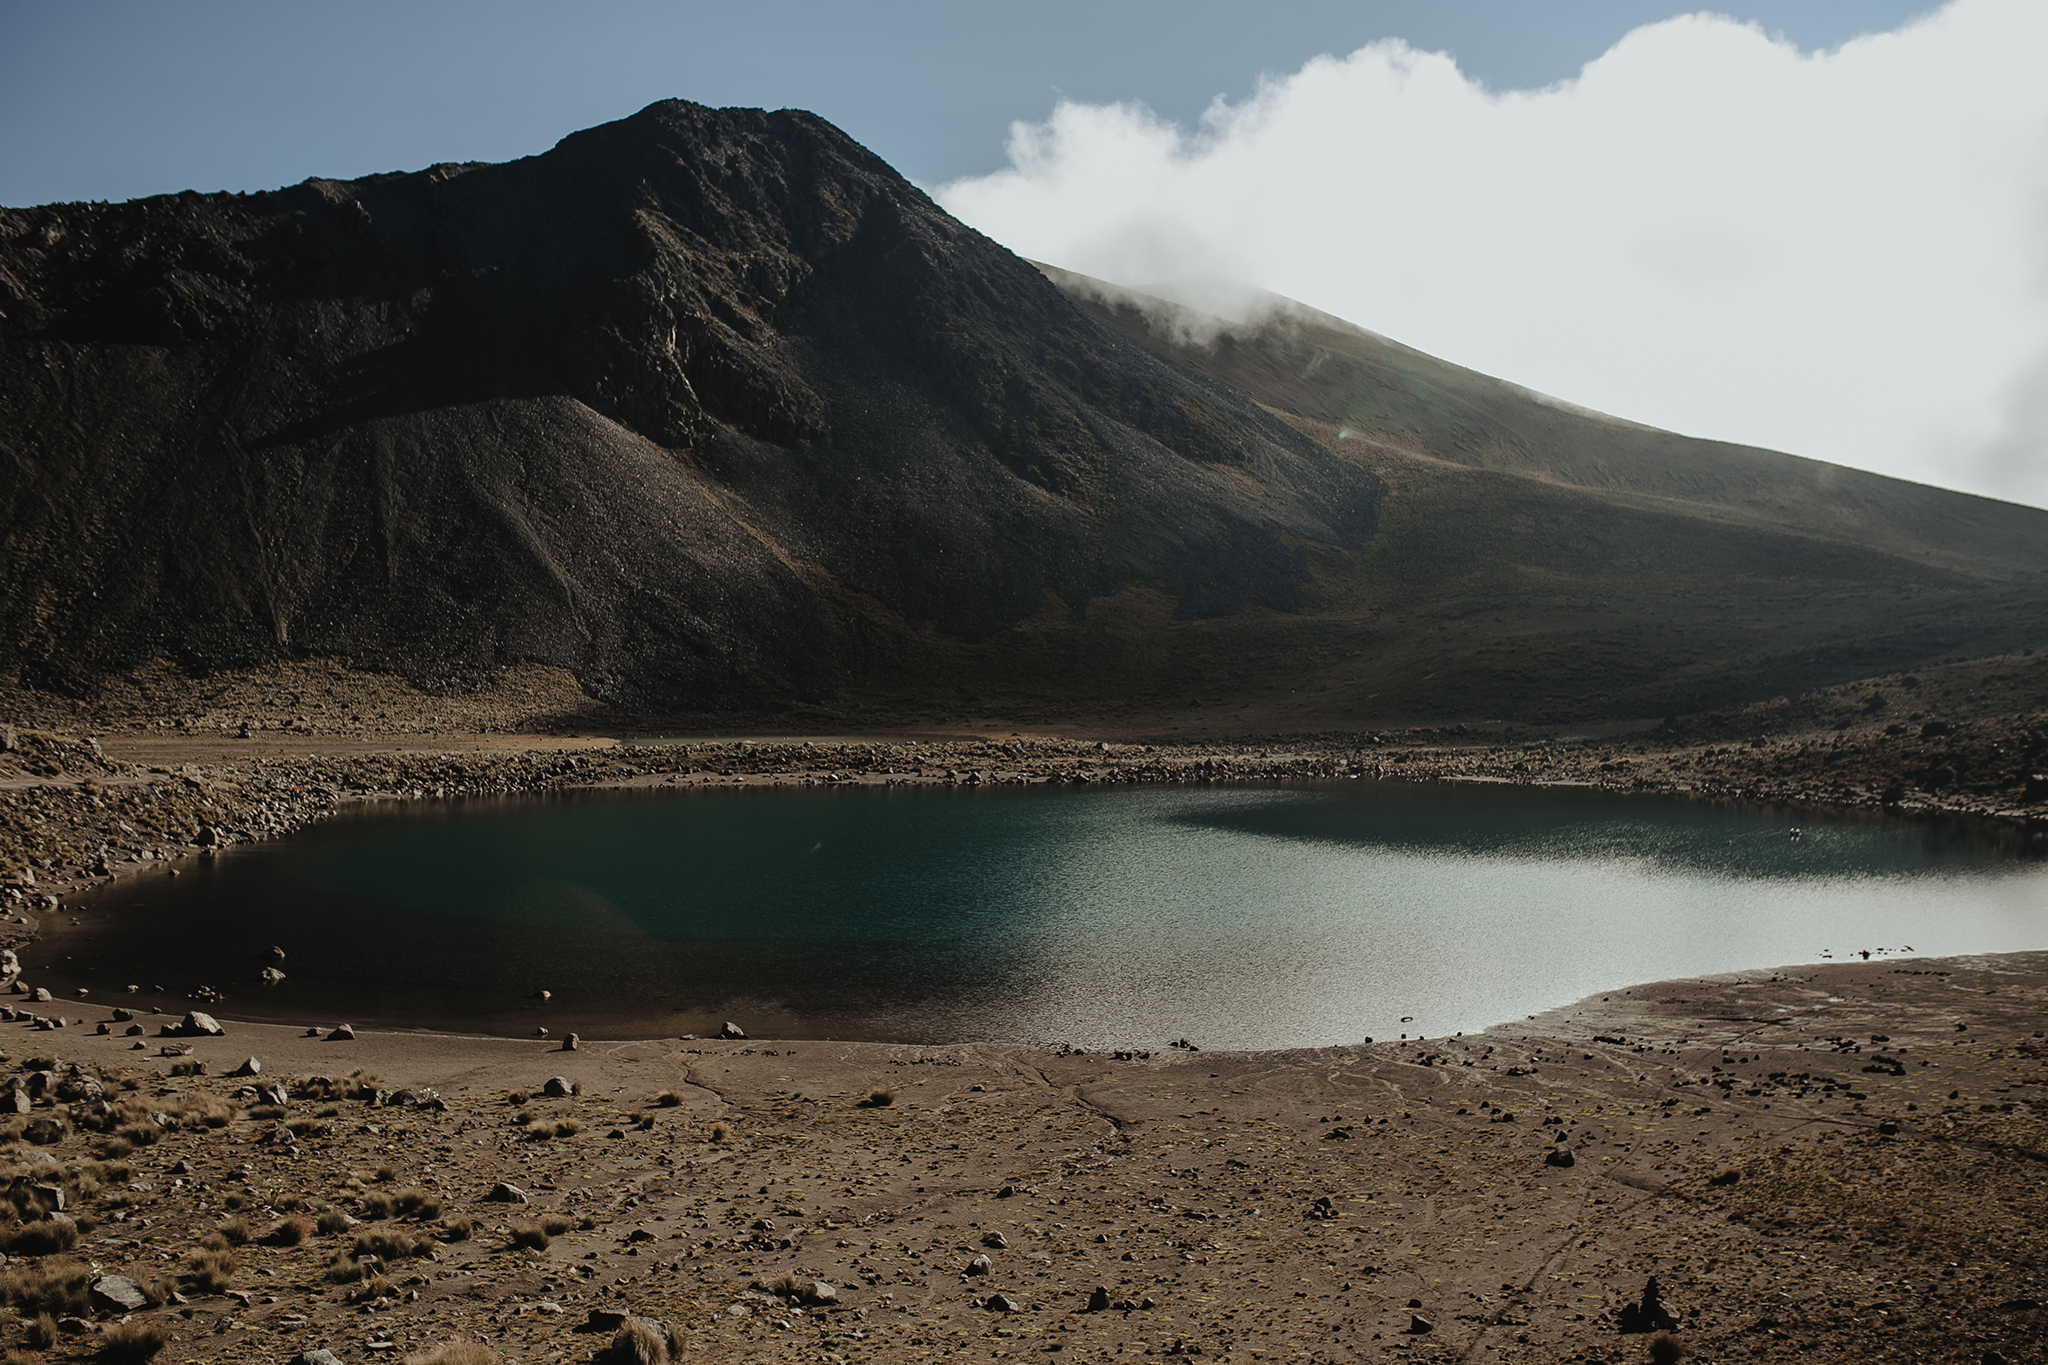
114, 100
1815, 225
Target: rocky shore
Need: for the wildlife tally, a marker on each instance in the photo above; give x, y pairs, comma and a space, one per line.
1815, 1164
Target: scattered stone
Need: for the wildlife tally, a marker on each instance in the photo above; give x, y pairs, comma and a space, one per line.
571, 1042
342, 1034
1002, 1303
980, 1265
502, 1193
1560, 1157
1418, 1325
251, 1067
994, 1239
557, 1088
270, 976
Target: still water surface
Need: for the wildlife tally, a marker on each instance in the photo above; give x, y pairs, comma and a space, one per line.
1237, 917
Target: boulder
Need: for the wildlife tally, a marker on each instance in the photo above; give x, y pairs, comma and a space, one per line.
342, 1034
980, 1265
198, 1024
571, 1043
731, 1030
1098, 1299
118, 1294
251, 1067
557, 1088
40, 995
1559, 1156
818, 1294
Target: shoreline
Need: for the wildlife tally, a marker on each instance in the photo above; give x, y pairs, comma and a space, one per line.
1829, 1163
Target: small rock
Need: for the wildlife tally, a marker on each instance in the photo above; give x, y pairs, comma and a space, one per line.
731, 1030
342, 1034
1098, 1299
270, 976
40, 995
820, 1295
557, 1088
994, 1239
1418, 1325
1560, 1157
570, 1043
118, 1294
980, 1265
502, 1193
198, 1024
75, 1327
319, 1355
1002, 1303
251, 1067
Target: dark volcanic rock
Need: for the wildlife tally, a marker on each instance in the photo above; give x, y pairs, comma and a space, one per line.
694, 404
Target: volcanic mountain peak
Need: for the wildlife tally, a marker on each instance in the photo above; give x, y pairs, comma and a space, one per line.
713, 408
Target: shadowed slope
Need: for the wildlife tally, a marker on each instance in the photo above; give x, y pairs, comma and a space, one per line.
679, 405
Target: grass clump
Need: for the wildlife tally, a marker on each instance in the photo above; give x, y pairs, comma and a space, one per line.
51, 1286
41, 1333
454, 1353
669, 1099
43, 1237
235, 1231
638, 1342
555, 1224
391, 1244
457, 1229
530, 1235
209, 1270
331, 1221
415, 1202
879, 1098
378, 1204
134, 1341
290, 1231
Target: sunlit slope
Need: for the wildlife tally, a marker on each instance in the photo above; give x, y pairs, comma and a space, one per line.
1536, 560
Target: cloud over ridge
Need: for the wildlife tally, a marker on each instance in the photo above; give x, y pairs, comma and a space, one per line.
1842, 254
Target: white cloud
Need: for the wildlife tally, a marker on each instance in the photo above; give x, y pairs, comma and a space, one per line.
1836, 254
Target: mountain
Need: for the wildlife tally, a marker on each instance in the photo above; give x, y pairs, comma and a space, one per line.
681, 405
714, 409
1536, 559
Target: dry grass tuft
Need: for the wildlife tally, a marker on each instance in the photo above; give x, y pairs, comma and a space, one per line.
236, 1231
52, 1286
134, 1341
669, 1099
533, 1235
880, 1098
638, 1342
289, 1232
210, 1270
43, 1237
454, 1353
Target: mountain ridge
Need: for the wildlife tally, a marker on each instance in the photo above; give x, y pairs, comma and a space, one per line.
715, 410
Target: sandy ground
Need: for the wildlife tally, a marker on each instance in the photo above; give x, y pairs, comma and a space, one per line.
1834, 1163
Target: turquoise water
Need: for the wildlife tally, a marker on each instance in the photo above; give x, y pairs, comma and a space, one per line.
1238, 917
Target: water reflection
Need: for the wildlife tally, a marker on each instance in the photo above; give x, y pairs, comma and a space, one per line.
1241, 917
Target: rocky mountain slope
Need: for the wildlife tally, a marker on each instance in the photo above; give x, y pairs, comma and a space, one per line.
713, 409
679, 405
